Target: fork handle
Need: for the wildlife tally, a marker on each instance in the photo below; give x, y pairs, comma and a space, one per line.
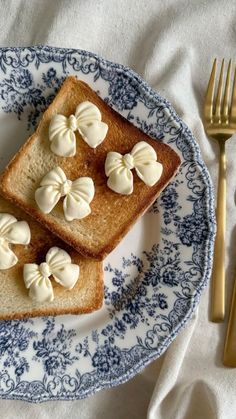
229, 359
218, 272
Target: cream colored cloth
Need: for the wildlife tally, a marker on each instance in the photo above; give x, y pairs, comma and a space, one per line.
171, 44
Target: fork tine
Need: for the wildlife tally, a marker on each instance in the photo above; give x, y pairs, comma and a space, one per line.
226, 95
233, 101
208, 106
219, 93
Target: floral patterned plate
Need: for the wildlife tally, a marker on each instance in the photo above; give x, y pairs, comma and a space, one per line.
153, 279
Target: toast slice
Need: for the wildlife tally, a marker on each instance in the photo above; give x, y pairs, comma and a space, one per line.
85, 297
112, 214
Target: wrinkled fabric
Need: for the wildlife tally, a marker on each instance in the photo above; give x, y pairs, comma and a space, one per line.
171, 44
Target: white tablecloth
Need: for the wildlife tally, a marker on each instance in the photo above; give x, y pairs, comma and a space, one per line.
171, 44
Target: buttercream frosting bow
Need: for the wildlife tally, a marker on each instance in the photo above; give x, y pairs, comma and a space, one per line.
77, 194
142, 158
87, 120
11, 232
58, 265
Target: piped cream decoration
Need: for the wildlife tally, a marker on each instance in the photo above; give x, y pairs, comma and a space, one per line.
142, 158
58, 264
87, 120
78, 194
11, 232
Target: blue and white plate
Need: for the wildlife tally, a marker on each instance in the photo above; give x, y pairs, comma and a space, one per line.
153, 279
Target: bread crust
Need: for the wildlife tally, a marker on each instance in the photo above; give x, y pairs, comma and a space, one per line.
85, 297
106, 218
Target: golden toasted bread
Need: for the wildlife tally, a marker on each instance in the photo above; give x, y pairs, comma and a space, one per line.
112, 214
85, 297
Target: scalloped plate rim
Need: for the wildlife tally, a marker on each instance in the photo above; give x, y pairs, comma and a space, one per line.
208, 251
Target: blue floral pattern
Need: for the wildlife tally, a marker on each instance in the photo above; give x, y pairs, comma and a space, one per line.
133, 296
106, 359
151, 292
123, 92
20, 93
14, 340
55, 353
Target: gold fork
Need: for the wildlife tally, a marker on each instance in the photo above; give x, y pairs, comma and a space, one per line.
220, 124
229, 358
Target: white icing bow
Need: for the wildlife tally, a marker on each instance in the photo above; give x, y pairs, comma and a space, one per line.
87, 120
78, 194
142, 158
58, 264
11, 232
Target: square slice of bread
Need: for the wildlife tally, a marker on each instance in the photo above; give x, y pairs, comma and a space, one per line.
112, 214
85, 297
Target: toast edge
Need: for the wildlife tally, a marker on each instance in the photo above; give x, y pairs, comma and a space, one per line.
53, 227
96, 305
